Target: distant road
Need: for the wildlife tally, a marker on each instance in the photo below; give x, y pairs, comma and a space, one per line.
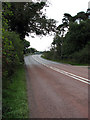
56, 90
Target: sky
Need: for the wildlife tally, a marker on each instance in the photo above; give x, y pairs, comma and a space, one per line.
55, 11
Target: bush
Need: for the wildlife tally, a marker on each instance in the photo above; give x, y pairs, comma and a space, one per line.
83, 56
12, 52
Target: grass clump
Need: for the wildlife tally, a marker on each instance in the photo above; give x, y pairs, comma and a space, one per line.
15, 103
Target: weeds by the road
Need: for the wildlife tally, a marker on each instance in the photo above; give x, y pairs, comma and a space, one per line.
65, 61
15, 103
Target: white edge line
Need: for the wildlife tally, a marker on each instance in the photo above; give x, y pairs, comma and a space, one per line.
65, 73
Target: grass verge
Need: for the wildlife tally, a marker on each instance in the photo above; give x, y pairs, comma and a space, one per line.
66, 61
15, 103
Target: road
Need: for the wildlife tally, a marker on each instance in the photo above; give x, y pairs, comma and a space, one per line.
56, 90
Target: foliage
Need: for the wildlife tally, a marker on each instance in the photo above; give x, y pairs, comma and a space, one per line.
82, 56
48, 54
81, 16
14, 100
72, 46
57, 42
21, 18
32, 50
28, 18
77, 37
12, 52
26, 45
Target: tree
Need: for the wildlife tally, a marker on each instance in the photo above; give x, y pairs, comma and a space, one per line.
33, 50
65, 24
77, 37
74, 45
80, 16
28, 18
19, 19
57, 42
26, 45
67, 18
12, 46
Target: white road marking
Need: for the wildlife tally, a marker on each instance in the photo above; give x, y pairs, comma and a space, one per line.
84, 80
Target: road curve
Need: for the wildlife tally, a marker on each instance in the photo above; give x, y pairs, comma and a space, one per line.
56, 90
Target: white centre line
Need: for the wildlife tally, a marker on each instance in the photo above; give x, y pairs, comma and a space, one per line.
84, 80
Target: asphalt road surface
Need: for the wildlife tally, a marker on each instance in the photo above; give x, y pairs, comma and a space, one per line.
56, 90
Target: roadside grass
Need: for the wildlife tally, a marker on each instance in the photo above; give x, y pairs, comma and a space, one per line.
66, 61
70, 62
15, 104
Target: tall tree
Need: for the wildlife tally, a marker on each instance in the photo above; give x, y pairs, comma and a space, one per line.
80, 16
28, 18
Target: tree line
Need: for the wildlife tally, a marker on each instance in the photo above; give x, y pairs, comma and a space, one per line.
18, 20
72, 40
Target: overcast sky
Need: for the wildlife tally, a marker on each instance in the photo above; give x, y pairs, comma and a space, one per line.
55, 11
